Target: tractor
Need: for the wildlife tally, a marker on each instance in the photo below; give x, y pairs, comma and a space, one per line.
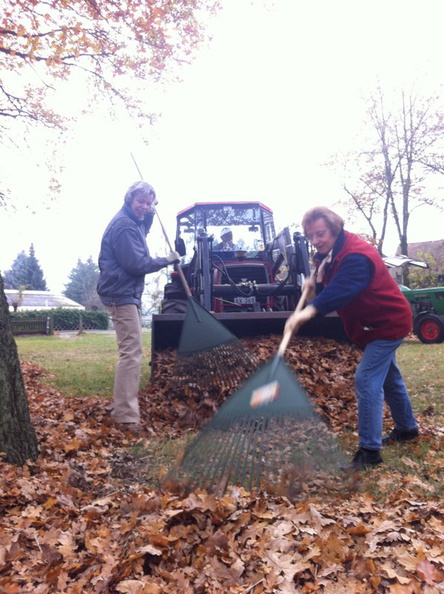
428, 313
240, 270
427, 304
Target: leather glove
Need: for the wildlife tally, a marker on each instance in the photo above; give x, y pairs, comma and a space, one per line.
173, 257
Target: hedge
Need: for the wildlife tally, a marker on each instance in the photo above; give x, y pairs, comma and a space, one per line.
68, 319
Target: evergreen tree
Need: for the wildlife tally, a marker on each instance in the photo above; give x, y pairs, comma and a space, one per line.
15, 278
36, 280
82, 284
25, 273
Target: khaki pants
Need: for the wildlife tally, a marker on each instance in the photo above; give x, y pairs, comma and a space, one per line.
127, 324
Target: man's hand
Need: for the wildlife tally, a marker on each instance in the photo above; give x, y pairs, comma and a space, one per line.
173, 257
299, 318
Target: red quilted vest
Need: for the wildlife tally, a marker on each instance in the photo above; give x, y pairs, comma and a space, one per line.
380, 311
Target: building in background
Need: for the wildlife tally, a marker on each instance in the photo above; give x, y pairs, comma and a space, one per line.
30, 300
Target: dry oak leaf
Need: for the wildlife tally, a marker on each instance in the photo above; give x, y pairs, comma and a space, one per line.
428, 572
137, 587
392, 573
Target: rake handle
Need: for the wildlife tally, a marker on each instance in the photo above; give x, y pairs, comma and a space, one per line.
288, 333
179, 268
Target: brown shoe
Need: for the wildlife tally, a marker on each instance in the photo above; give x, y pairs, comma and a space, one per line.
134, 428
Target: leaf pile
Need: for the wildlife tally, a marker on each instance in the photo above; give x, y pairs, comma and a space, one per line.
324, 368
69, 525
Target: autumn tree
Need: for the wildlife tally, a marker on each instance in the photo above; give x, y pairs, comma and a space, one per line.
82, 284
109, 44
112, 42
432, 276
386, 180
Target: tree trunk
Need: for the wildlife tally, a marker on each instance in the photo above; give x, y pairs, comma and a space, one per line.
18, 441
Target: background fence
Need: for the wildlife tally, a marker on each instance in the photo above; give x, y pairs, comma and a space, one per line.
58, 320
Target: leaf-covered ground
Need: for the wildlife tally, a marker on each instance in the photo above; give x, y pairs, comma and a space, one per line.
83, 519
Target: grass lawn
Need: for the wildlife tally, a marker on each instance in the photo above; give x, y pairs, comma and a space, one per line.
82, 364
422, 366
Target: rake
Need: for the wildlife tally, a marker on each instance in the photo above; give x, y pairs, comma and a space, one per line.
266, 436
208, 353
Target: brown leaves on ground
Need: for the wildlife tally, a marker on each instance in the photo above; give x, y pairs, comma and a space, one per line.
323, 367
69, 525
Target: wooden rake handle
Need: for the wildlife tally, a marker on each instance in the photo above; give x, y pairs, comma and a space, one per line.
288, 333
179, 268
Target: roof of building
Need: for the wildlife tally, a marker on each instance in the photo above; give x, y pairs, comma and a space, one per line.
434, 248
39, 300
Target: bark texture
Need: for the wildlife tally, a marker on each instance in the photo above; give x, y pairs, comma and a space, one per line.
18, 440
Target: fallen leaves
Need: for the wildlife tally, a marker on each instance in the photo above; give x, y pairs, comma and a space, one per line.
69, 524
324, 368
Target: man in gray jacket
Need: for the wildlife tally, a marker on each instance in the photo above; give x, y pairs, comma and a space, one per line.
124, 261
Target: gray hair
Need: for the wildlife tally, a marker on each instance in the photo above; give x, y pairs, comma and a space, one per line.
333, 221
139, 187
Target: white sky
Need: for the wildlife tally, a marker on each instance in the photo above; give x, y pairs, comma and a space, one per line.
256, 115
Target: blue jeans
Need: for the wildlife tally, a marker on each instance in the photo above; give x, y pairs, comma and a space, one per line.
378, 378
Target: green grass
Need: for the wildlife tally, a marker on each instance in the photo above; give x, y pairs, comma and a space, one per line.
82, 364
422, 369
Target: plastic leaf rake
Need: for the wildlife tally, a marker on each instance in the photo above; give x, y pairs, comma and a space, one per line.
208, 353
266, 437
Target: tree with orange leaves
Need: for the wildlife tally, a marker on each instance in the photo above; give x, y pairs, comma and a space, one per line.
112, 42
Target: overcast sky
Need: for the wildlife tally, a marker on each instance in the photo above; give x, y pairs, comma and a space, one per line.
279, 90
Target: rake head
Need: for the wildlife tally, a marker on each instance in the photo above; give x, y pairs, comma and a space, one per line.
224, 364
208, 353
265, 437
273, 455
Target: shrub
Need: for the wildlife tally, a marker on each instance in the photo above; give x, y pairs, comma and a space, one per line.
68, 319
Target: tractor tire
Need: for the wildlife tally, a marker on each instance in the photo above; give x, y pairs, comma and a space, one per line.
429, 329
174, 306
174, 291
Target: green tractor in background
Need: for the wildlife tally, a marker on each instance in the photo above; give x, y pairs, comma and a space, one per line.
427, 304
428, 313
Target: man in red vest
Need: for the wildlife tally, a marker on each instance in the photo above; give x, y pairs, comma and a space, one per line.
352, 279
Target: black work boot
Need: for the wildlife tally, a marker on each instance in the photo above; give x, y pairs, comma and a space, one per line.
399, 435
363, 458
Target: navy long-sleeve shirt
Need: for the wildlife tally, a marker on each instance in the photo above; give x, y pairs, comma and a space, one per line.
353, 276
